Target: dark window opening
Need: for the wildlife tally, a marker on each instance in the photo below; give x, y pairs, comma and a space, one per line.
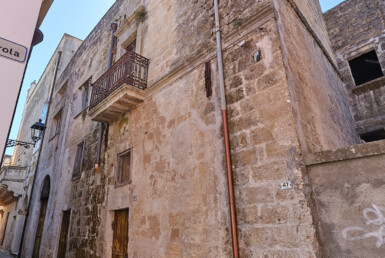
132, 46
85, 93
209, 90
373, 135
62, 92
64, 234
365, 68
124, 167
78, 160
56, 124
44, 195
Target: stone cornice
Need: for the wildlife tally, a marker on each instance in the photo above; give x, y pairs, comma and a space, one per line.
254, 22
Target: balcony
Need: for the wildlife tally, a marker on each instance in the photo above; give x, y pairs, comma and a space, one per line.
119, 89
12, 179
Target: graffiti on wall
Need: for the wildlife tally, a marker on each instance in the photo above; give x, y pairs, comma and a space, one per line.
372, 216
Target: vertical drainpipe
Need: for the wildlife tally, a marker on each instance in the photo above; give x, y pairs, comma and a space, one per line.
226, 132
38, 157
114, 27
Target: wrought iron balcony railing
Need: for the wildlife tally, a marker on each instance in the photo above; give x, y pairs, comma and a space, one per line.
131, 69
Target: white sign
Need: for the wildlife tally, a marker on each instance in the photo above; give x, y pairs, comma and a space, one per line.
287, 185
14, 51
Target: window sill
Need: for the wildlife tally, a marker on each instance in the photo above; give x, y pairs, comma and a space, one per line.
60, 102
117, 185
54, 136
83, 111
369, 86
75, 178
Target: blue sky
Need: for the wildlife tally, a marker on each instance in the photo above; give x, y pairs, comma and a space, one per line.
328, 4
77, 18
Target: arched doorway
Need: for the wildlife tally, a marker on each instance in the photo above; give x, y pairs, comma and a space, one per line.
44, 202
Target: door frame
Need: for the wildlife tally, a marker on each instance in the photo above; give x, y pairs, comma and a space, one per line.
60, 229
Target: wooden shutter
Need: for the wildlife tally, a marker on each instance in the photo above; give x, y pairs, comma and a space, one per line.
126, 167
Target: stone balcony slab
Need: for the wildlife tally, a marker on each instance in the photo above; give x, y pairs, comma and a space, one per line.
119, 102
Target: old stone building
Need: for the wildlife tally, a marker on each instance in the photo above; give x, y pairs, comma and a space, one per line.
134, 161
17, 175
347, 185
356, 31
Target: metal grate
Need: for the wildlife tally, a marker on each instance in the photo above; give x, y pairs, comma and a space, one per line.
131, 69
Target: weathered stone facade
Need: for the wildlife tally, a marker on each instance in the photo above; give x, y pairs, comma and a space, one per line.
355, 28
18, 175
7, 160
348, 189
346, 183
288, 103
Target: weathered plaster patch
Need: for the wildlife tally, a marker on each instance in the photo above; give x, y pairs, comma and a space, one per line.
181, 142
267, 52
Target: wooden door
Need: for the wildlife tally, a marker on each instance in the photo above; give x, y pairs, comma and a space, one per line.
63, 234
40, 227
120, 237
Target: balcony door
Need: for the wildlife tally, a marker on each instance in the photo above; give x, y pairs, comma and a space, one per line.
132, 46
131, 65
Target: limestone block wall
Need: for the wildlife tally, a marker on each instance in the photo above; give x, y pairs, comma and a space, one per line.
264, 151
278, 109
58, 155
192, 30
367, 100
263, 132
355, 28
311, 11
347, 189
319, 102
354, 22
179, 209
177, 198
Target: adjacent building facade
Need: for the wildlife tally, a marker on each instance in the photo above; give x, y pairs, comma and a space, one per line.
17, 175
17, 38
133, 162
356, 31
347, 185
